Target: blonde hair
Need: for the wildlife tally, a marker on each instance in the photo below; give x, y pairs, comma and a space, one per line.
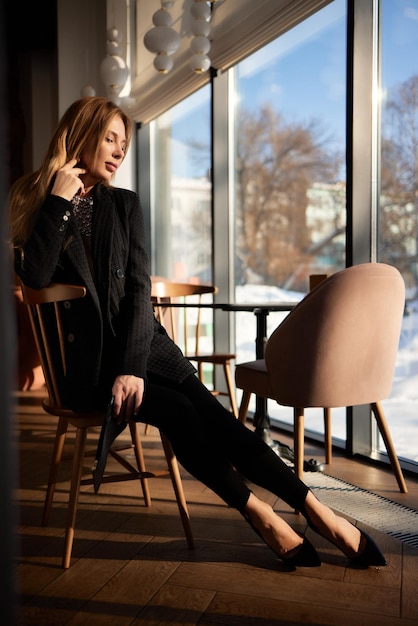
84, 123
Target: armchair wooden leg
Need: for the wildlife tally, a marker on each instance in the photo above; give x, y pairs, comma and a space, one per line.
298, 435
327, 436
390, 448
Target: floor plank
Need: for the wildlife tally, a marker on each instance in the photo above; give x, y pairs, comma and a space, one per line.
131, 565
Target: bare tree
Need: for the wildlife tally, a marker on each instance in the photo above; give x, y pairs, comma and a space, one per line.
398, 228
277, 162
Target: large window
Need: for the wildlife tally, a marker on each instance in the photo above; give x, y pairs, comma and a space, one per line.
181, 191
295, 190
290, 209
181, 201
398, 205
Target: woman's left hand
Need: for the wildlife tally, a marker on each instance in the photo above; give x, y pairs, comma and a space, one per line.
127, 394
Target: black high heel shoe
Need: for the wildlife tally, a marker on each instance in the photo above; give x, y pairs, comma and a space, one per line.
368, 552
304, 555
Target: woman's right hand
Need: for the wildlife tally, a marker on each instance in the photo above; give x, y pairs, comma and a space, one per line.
67, 182
127, 392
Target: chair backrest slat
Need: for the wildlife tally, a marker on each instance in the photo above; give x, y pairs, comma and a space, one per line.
45, 318
166, 292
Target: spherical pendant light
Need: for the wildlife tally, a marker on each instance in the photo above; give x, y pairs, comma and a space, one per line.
200, 44
163, 63
200, 10
200, 63
162, 40
113, 69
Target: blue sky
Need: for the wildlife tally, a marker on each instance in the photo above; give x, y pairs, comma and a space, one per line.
302, 73
400, 30
289, 71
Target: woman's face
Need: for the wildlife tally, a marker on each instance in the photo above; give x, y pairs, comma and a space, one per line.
110, 155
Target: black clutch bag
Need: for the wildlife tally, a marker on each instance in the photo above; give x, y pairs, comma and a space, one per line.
110, 430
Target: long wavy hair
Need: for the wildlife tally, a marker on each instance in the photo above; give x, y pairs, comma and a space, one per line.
83, 124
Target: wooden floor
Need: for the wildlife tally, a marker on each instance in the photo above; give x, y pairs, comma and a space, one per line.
131, 565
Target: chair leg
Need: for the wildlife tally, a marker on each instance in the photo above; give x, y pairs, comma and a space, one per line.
80, 445
327, 436
390, 448
243, 407
229, 384
231, 390
298, 438
178, 489
55, 463
139, 456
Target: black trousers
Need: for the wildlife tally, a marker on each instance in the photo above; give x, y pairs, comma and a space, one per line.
214, 446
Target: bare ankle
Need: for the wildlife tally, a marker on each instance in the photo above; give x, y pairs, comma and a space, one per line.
333, 527
273, 530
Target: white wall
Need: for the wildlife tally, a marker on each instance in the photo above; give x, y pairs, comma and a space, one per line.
81, 37
82, 28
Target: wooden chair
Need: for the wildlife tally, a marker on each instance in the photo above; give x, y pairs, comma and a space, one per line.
165, 292
48, 337
336, 348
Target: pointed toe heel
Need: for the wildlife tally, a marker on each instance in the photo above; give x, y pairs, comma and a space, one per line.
369, 553
304, 555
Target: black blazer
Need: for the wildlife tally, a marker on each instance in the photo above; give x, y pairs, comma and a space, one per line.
116, 316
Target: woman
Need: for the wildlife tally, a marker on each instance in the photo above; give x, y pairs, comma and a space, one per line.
68, 224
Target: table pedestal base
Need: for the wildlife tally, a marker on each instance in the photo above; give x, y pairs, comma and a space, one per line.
265, 435
281, 449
